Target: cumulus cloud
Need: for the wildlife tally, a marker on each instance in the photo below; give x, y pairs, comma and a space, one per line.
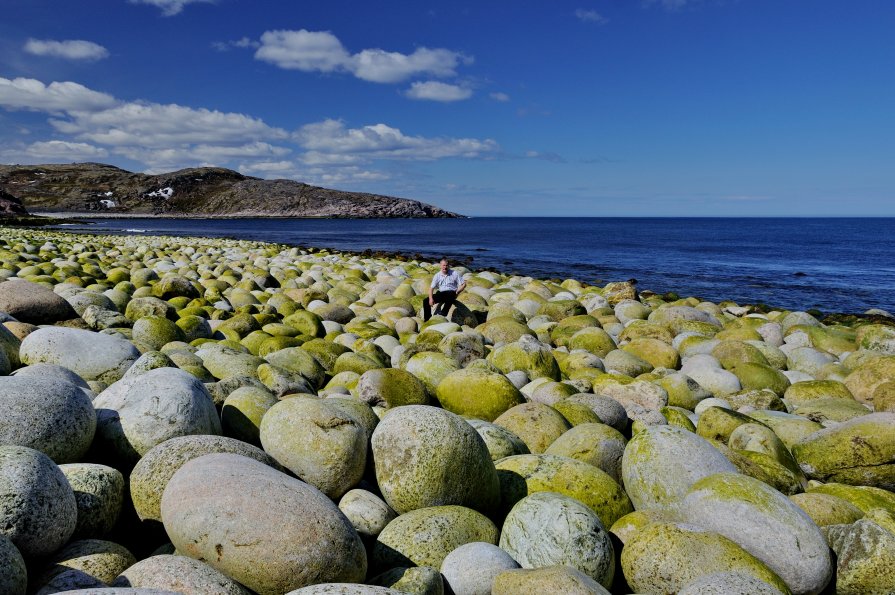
501, 97
590, 16
380, 141
321, 51
57, 149
245, 42
157, 125
438, 91
169, 7
70, 49
33, 95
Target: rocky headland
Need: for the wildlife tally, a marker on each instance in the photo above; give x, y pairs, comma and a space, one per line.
98, 190
218, 416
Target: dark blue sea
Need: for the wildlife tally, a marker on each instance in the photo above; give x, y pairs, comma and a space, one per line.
834, 265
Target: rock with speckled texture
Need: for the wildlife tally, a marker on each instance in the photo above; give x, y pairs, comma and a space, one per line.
549, 529
99, 492
267, 547
427, 456
368, 513
84, 563
156, 468
471, 568
38, 511
14, 576
92, 356
178, 573
864, 555
729, 583
554, 579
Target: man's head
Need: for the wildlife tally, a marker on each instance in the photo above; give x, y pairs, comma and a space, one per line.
444, 265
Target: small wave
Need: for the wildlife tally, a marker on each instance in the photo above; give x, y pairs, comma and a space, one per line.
135, 230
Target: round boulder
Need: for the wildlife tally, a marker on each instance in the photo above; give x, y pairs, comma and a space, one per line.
538, 425
471, 568
391, 387
322, 444
135, 414
99, 492
156, 468
267, 547
368, 513
47, 413
14, 578
179, 574
92, 356
424, 537
38, 511
427, 456
568, 533
33, 303
478, 393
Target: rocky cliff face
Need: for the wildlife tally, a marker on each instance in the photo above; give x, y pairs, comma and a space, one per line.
10, 206
197, 192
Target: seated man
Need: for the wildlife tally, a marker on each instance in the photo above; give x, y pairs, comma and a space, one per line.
449, 284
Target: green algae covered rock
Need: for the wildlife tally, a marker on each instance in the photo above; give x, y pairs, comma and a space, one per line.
728, 583
864, 554
594, 443
864, 498
419, 580
658, 353
504, 329
267, 547
499, 441
825, 509
431, 368
427, 456
322, 444
809, 390
765, 523
857, 452
877, 337
593, 340
425, 536
523, 475
868, 376
391, 387
242, 412
831, 410
83, 563
788, 427
569, 533
664, 558
477, 393
538, 425
717, 423
661, 463
682, 390
759, 376
528, 355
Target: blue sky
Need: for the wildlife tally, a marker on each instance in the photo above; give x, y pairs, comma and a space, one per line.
595, 108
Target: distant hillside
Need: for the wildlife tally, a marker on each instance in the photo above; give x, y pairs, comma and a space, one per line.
197, 192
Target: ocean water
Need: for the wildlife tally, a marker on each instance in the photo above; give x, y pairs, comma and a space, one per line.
835, 265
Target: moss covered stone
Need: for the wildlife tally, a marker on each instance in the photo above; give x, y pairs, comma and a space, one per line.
658, 353
594, 443
499, 441
538, 425
523, 475
477, 393
664, 558
424, 537
825, 509
528, 355
426, 457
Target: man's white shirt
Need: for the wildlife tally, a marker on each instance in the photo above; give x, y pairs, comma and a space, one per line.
449, 282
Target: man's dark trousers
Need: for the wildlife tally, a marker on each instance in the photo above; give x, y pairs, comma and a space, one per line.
444, 299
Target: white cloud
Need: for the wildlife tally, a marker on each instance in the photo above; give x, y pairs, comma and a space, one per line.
33, 95
672, 4
380, 141
590, 16
245, 42
438, 91
308, 51
57, 149
501, 97
154, 125
169, 7
321, 51
70, 49
379, 66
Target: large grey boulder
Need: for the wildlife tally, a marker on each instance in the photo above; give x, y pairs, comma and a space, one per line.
48, 414
178, 573
14, 573
471, 568
92, 356
287, 534
138, 413
567, 533
33, 303
38, 511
